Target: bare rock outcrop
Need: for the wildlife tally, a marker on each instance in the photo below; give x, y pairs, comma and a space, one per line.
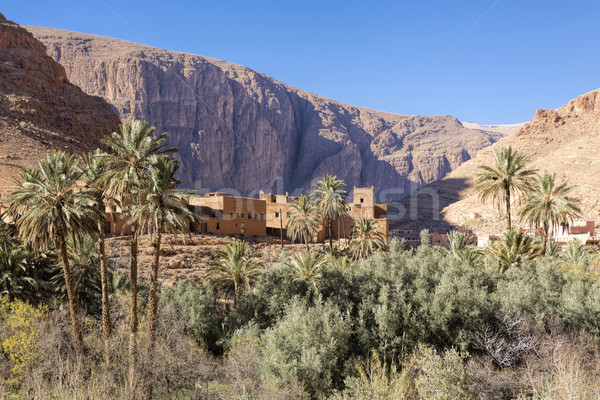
564, 141
39, 109
239, 129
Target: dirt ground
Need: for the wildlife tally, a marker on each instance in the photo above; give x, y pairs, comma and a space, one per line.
188, 257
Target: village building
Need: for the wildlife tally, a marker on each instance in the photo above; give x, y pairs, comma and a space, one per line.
277, 207
221, 213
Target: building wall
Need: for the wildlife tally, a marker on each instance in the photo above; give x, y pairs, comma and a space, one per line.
223, 214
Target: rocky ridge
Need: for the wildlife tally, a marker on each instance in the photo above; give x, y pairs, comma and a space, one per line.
239, 129
565, 141
39, 109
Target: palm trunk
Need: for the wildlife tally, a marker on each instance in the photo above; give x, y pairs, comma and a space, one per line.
73, 303
508, 219
545, 239
306, 242
133, 318
330, 235
106, 322
152, 309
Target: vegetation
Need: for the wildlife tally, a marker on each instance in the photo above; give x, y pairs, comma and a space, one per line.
304, 221
508, 178
329, 196
549, 206
236, 270
366, 238
378, 320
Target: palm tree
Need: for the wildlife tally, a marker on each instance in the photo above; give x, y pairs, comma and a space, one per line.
163, 209
507, 177
513, 249
308, 267
236, 271
48, 210
461, 250
366, 238
96, 167
133, 148
15, 279
576, 256
330, 199
84, 261
549, 206
303, 221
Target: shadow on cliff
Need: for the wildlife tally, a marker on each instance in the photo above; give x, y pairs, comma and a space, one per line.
423, 209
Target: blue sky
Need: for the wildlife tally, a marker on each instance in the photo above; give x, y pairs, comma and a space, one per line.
524, 55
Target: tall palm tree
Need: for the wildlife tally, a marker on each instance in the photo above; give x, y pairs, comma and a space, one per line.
133, 148
549, 206
365, 238
308, 267
163, 209
513, 249
48, 210
329, 196
303, 221
96, 167
236, 270
507, 177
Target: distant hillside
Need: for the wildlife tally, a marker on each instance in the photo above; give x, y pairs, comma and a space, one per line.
565, 141
237, 128
39, 109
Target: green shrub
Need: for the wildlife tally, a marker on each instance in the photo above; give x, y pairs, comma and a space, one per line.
310, 344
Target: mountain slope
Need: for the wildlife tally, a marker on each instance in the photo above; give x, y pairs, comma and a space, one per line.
565, 141
239, 129
39, 109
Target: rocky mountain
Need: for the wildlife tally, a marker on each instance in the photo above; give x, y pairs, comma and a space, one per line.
565, 141
39, 109
237, 128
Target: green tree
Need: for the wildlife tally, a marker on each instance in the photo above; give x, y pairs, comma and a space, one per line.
513, 249
507, 177
329, 196
307, 267
576, 256
549, 206
132, 149
15, 279
366, 238
49, 209
163, 209
303, 222
96, 167
236, 271
461, 249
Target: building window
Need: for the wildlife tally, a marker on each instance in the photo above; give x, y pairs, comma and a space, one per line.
262, 216
255, 216
276, 214
362, 200
218, 226
249, 215
231, 214
242, 215
237, 215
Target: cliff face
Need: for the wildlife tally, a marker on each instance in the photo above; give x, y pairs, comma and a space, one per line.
565, 141
242, 130
39, 109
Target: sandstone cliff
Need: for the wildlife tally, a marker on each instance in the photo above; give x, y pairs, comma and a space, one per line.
565, 141
237, 128
39, 109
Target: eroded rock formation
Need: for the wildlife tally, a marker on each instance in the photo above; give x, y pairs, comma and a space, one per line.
237, 128
39, 109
